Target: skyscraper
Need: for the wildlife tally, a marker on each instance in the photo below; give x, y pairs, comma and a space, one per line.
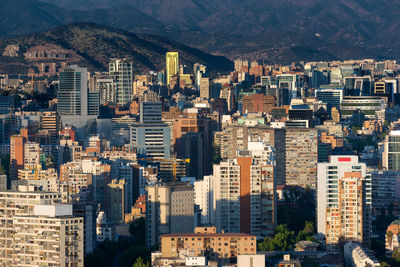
172, 65
122, 72
329, 174
72, 92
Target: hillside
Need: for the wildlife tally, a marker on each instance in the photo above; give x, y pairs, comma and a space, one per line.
94, 45
340, 28
276, 31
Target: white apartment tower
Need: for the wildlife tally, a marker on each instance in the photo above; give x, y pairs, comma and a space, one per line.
329, 174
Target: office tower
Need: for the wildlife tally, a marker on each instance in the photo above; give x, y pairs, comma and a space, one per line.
330, 96
106, 87
150, 112
18, 203
151, 137
358, 86
169, 209
350, 219
192, 140
151, 140
122, 72
17, 147
301, 112
172, 65
391, 151
50, 121
72, 92
327, 184
93, 103
52, 236
291, 83
301, 157
258, 103
204, 88
6, 104
116, 203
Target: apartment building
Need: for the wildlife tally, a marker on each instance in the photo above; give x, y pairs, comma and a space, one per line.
51, 236
350, 219
223, 247
169, 209
301, 157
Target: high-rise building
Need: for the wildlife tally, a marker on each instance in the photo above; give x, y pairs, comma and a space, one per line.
301, 150
330, 96
86, 176
391, 151
151, 137
17, 147
51, 121
150, 112
117, 194
169, 209
205, 88
19, 203
72, 92
241, 185
51, 236
327, 184
106, 88
122, 72
172, 65
350, 219
31, 155
151, 140
204, 198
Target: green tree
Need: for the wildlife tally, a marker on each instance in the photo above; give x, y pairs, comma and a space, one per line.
139, 263
283, 240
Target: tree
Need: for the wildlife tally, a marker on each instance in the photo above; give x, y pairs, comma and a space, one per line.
139, 263
283, 240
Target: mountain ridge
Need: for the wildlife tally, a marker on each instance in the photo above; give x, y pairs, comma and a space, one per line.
96, 44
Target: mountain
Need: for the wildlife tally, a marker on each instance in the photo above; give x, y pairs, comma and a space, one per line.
93, 45
287, 30
27, 16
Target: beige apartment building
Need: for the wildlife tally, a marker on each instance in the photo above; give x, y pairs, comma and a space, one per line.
217, 246
348, 221
18, 203
49, 237
169, 209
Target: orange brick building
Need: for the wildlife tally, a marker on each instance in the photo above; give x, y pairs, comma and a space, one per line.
258, 103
